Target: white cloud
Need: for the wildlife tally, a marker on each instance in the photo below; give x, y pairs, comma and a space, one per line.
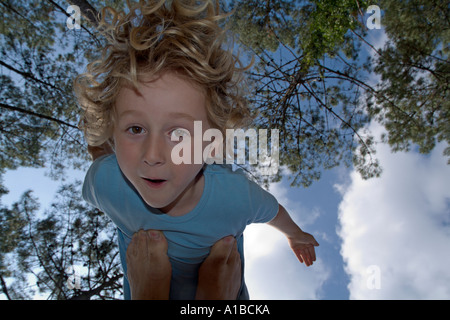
272, 270
396, 229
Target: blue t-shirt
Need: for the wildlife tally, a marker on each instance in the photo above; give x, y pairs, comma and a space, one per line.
228, 204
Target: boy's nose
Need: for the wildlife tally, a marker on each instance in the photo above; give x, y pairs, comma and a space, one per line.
154, 152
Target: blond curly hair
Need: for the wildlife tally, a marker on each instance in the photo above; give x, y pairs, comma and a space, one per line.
155, 37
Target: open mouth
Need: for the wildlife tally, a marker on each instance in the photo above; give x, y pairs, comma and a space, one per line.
154, 182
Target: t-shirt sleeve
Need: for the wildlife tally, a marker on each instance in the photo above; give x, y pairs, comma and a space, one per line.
92, 184
264, 204
105, 188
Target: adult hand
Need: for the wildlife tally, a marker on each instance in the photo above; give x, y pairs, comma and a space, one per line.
219, 277
149, 269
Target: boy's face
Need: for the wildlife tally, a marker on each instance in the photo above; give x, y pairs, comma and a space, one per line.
145, 122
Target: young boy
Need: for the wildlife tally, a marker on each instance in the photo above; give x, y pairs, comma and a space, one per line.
164, 69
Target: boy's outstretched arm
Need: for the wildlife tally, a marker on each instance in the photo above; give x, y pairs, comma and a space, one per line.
301, 243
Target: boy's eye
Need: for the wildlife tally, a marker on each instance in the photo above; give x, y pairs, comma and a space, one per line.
177, 133
135, 130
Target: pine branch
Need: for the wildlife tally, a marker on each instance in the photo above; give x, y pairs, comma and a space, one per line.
42, 116
86, 295
28, 75
5, 288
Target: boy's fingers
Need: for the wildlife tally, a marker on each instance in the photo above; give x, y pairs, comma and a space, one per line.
309, 256
312, 252
298, 253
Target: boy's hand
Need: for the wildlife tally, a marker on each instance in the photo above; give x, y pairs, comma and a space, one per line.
301, 243
303, 246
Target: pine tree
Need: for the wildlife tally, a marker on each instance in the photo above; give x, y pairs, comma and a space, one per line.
70, 249
309, 82
413, 98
